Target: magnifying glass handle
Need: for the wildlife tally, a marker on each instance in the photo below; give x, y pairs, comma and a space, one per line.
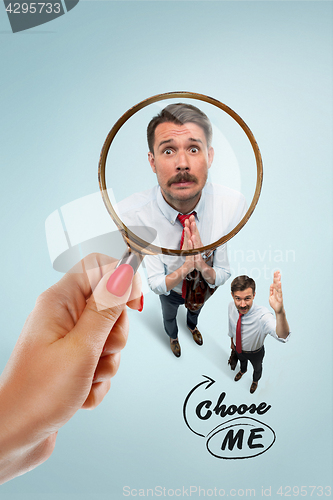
132, 258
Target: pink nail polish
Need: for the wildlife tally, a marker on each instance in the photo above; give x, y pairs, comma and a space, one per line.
141, 303
120, 280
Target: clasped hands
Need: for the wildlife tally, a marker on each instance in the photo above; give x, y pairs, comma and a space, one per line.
192, 240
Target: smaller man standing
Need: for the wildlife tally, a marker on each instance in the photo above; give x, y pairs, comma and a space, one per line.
249, 324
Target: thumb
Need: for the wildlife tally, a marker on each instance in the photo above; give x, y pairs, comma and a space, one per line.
99, 316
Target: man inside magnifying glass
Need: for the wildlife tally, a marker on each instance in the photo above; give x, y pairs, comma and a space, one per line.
186, 211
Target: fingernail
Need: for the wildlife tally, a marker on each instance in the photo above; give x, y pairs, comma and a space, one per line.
120, 280
141, 303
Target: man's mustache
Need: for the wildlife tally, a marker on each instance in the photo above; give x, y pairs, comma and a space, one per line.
182, 177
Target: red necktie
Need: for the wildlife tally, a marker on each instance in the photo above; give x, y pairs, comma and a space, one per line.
182, 218
239, 334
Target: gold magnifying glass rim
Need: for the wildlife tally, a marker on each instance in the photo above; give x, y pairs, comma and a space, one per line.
133, 240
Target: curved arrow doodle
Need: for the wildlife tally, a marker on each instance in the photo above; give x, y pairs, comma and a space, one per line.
209, 381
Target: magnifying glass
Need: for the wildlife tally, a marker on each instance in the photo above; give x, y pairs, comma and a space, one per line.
140, 241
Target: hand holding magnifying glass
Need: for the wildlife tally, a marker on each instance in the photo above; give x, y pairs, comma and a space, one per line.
67, 352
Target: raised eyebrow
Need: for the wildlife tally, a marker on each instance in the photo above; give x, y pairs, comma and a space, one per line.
170, 141
167, 141
192, 139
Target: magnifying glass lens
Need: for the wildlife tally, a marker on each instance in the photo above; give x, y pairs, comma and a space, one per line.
201, 159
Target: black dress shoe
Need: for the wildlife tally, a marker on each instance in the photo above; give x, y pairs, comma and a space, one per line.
175, 347
197, 337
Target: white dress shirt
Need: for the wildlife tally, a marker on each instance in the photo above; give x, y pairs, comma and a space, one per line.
256, 324
218, 211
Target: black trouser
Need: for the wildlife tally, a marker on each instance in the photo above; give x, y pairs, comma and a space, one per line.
255, 358
170, 304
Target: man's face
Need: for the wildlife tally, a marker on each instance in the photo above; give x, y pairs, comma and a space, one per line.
181, 160
243, 300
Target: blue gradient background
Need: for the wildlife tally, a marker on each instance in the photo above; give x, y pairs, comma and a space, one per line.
63, 85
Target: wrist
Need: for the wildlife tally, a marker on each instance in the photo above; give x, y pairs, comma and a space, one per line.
200, 263
281, 312
21, 447
187, 267
14, 429
204, 260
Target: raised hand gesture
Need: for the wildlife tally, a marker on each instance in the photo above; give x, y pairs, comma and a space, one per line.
275, 293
